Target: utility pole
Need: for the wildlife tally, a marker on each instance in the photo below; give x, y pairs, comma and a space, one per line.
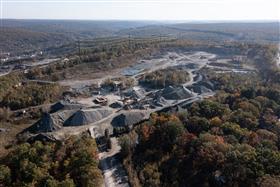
79, 48
180, 36
129, 42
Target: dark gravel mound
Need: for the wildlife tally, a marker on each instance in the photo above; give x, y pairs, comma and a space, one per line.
128, 119
85, 117
63, 105
200, 89
48, 123
116, 105
176, 93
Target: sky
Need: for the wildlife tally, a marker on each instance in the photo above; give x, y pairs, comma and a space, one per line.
189, 10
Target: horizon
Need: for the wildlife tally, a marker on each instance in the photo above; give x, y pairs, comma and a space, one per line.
142, 10
148, 20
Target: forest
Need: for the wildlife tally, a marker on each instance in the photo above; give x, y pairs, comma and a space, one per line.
165, 77
16, 92
52, 35
53, 164
231, 139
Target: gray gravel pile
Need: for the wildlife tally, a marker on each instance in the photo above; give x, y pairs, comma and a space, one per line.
176, 93
41, 137
63, 105
200, 89
207, 84
85, 117
50, 122
135, 93
160, 101
116, 104
128, 119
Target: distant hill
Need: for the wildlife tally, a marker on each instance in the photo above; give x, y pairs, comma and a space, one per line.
27, 35
18, 36
17, 40
75, 28
252, 32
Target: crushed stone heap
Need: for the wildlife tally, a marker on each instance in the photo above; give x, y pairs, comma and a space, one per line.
63, 105
55, 121
48, 123
87, 116
176, 93
128, 119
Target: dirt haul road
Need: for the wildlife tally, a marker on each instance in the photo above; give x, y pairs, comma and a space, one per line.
113, 171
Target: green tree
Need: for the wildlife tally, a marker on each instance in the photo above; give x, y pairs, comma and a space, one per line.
5, 175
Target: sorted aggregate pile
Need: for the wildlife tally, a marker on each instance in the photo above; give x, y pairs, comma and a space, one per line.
85, 117
200, 89
207, 84
128, 119
50, 122
47, 123
55, 121
176, 93
160, 101
64, 105
136, 93
116, 104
